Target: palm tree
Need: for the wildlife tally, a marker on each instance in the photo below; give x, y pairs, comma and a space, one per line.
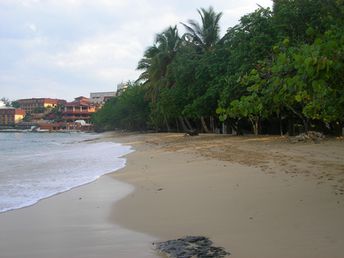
155, 63
204, 37
156, 60
146, 64
207, 34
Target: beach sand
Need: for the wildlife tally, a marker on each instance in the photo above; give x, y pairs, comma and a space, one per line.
254, 196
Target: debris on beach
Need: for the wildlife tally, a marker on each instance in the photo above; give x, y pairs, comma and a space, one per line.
190, 246
316, 137
191, 132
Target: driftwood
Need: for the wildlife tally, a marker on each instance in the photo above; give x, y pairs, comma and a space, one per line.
316, 137
191, 132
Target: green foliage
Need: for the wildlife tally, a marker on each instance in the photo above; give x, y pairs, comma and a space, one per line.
246, 43
249, 41
39, 110
285, 63
6, 101
27, 117
15, 104
56, 113
205, 35
306, 80
129, 111
204, 85
304, 20
156, 61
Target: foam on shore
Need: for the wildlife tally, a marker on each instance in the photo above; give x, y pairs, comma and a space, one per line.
36, 167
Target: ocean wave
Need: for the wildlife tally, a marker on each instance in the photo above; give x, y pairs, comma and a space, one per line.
45, 168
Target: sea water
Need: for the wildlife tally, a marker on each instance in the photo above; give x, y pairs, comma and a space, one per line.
34, 166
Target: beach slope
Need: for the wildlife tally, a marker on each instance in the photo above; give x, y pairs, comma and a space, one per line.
256, 197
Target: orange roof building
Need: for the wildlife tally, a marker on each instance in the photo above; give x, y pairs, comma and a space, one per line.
19, 115
79, 109
29, 105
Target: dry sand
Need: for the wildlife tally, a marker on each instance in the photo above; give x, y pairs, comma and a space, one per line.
256, 197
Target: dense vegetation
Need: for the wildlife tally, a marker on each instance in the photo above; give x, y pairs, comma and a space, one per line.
277, 71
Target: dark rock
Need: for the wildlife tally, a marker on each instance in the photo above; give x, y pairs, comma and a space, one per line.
190, 246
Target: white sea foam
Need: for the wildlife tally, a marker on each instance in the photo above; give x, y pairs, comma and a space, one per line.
37, 166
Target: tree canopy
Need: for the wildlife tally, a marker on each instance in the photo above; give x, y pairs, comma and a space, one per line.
277, 70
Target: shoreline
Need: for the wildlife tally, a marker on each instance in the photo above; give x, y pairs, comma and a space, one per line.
62, 192
73, 224
57, 192
241, 192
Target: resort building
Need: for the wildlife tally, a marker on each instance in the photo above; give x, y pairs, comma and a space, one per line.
99, 98
30, 105
10, 116
19, 115
79, 109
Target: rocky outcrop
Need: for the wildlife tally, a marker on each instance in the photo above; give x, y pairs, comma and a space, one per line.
190, 246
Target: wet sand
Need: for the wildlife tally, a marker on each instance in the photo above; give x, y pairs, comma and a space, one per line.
74, 224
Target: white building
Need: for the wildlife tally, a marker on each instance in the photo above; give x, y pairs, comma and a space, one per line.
121, 87
99, 98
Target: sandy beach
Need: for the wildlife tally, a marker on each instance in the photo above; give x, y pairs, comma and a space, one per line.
254, 196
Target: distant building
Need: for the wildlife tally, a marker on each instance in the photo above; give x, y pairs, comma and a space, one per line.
121, 88
19, 115
10, 116
79, 109
99, 98
7, 116
29, 105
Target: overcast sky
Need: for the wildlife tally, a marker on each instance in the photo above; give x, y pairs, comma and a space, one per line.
68, 48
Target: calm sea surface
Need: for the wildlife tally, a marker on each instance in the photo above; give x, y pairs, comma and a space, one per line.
34, 166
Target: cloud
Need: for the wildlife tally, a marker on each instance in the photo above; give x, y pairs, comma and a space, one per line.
64, 48
32, 27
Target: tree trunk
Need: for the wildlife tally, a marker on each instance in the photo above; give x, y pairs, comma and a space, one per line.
183, 124
291, 131
212, 124
204, 125
188, 123
305, 124
236, 127
304, 121
256, 131
255, 125
177, 125
338, 129
224, 128
167, 125
281, 126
